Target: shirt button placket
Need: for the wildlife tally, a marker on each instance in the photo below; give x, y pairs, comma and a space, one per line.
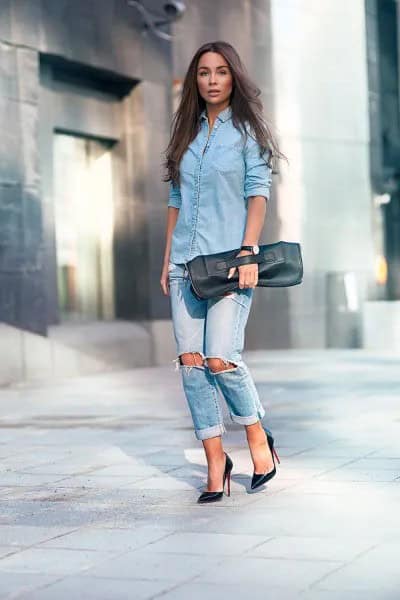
197, 191
196, 204
195, 208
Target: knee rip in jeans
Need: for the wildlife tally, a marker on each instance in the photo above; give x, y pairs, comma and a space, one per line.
189, 360
215, 363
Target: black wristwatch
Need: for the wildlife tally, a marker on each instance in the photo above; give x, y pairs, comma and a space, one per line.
253, 249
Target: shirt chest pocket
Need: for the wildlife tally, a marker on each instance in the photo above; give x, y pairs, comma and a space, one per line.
227, 158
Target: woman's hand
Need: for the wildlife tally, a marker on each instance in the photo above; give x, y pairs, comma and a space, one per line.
165, 279
248, 274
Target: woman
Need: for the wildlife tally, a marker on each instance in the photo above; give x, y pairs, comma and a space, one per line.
219, 168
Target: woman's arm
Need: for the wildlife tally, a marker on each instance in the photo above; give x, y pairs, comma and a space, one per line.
172, 216
257, 208
174, 204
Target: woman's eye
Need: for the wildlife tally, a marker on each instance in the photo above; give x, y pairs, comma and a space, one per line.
219, 72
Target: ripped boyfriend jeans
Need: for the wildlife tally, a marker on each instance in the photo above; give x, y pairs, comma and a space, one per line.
213, 328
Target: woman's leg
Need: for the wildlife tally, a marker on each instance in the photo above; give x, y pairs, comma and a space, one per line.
215, 462
201, 391
224, 341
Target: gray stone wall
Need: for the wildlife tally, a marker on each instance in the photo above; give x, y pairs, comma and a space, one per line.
325, 200
105, 37
22, 298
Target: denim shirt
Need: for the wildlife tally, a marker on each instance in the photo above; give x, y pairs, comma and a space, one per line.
218, 174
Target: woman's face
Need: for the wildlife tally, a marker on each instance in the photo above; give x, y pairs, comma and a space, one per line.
214, 75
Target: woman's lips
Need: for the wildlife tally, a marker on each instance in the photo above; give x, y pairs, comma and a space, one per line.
213, 93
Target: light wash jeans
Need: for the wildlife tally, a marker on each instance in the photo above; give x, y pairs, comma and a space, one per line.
213, 328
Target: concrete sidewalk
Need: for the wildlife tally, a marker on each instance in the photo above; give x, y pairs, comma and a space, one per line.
100, 476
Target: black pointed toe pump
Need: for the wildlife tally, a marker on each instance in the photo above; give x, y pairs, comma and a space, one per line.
261, 478
215, 496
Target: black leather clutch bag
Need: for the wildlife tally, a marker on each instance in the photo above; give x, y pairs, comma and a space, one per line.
279, 265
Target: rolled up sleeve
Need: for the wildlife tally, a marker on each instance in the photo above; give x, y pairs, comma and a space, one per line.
174, 196
258, 177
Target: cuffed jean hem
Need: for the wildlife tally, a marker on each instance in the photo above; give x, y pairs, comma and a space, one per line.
250, 420
210, 432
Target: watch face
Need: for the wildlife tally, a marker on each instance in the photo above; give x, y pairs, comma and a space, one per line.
256, 249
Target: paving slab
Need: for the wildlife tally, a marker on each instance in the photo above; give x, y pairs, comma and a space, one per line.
92, 588
100, 538
12, 585
271, 573
53, 561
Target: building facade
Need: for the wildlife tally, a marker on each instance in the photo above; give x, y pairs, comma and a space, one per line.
86, 99
85, 103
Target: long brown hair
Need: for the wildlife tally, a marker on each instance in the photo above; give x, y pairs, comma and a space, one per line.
245, 104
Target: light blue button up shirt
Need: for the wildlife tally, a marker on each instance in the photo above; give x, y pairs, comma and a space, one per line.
218, 175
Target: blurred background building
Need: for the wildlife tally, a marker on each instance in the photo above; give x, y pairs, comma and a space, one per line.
87, 92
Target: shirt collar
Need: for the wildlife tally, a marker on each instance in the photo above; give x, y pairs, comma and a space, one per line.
224, 115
